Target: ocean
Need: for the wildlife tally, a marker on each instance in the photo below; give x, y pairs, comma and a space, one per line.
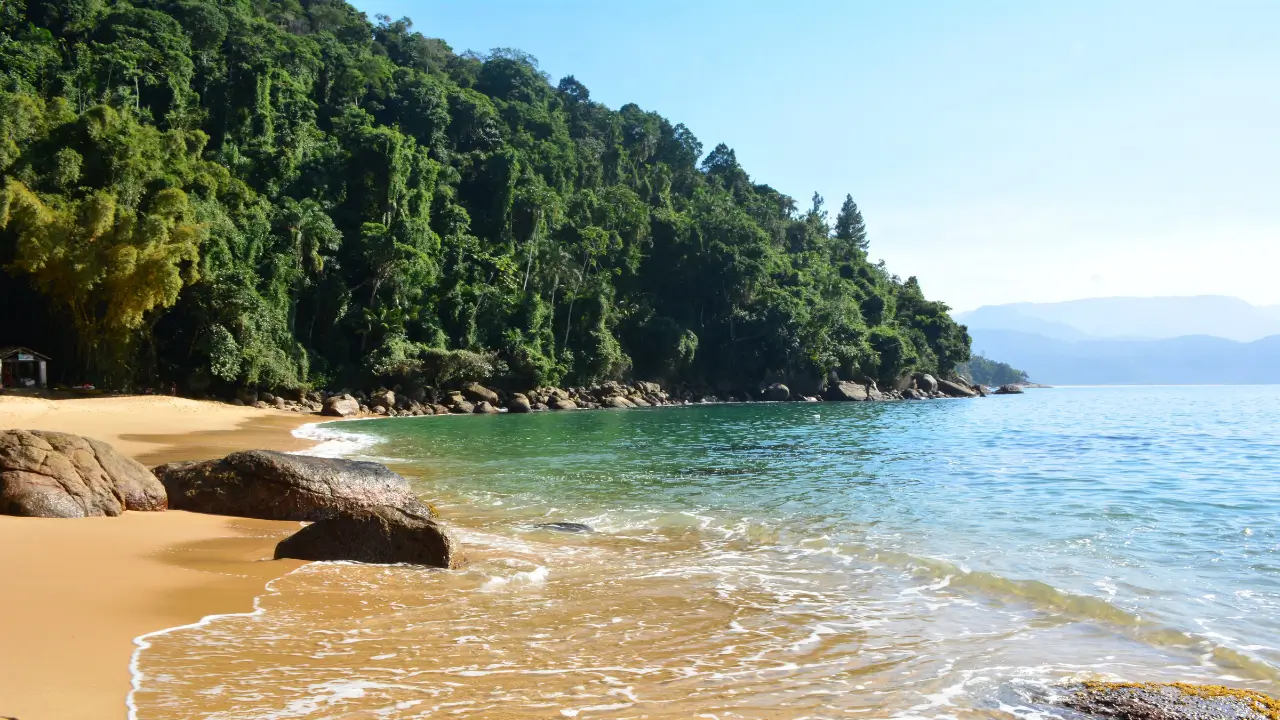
940, 559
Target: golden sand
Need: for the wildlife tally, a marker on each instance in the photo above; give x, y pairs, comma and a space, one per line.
75, 593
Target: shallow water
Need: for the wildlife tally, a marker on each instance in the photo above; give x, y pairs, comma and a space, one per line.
933, 559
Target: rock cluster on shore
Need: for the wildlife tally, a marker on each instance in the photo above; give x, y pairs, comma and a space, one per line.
361, 511
474, 398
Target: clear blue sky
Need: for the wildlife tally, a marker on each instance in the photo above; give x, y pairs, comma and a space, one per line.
1000, 151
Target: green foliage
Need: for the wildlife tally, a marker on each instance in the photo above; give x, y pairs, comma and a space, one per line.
989, 372
275, 193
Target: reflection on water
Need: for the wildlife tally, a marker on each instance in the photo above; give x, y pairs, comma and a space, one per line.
936, 559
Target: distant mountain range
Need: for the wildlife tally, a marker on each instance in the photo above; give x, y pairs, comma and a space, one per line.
1207, 339
1154, 318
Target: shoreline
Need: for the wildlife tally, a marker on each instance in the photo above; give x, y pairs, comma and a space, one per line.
82, 595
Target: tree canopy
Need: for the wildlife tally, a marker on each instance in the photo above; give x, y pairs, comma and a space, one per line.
282, 193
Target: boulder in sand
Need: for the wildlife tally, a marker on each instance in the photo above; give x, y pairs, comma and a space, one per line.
341, 406
378, 535
52, 474
277, 486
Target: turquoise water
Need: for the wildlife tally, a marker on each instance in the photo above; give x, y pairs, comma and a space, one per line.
927, 559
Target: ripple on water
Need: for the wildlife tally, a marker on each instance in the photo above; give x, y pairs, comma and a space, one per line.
911, 560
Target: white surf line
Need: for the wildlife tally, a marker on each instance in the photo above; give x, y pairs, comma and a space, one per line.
142, 641
331, 442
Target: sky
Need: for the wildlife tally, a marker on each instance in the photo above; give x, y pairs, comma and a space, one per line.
1000, 151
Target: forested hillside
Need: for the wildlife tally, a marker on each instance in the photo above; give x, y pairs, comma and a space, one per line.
226, 192
985, 371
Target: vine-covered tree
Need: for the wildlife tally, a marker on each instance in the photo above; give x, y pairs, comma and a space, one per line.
283, 193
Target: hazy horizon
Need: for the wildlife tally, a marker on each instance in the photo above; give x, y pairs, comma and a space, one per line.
1129, 149
1129, 318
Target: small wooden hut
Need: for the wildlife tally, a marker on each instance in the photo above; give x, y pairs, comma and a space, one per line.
23, 367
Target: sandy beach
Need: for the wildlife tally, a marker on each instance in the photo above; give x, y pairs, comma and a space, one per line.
75, 593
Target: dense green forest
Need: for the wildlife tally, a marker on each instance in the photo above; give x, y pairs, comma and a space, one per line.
274, 193
989, 372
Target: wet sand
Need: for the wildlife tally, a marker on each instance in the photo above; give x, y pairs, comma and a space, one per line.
75, 593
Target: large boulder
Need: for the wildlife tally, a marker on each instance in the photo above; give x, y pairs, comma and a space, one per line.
378, 535
926, 383
52, 474
341, 406
384, 399
477, 393
847, 391
484, 408
618, 402
1008, 390
955, 390
563, 405
277, 486
777, 392
519, 404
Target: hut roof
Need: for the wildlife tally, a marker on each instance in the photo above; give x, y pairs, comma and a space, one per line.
8, 353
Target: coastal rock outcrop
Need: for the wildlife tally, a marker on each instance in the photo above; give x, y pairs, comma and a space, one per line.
385, 399
277, 486
341, 406
1008, 390
477, 393
926, 383
955, 390
376, 535
850, 391
1168, 701
777, 392
52, 474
